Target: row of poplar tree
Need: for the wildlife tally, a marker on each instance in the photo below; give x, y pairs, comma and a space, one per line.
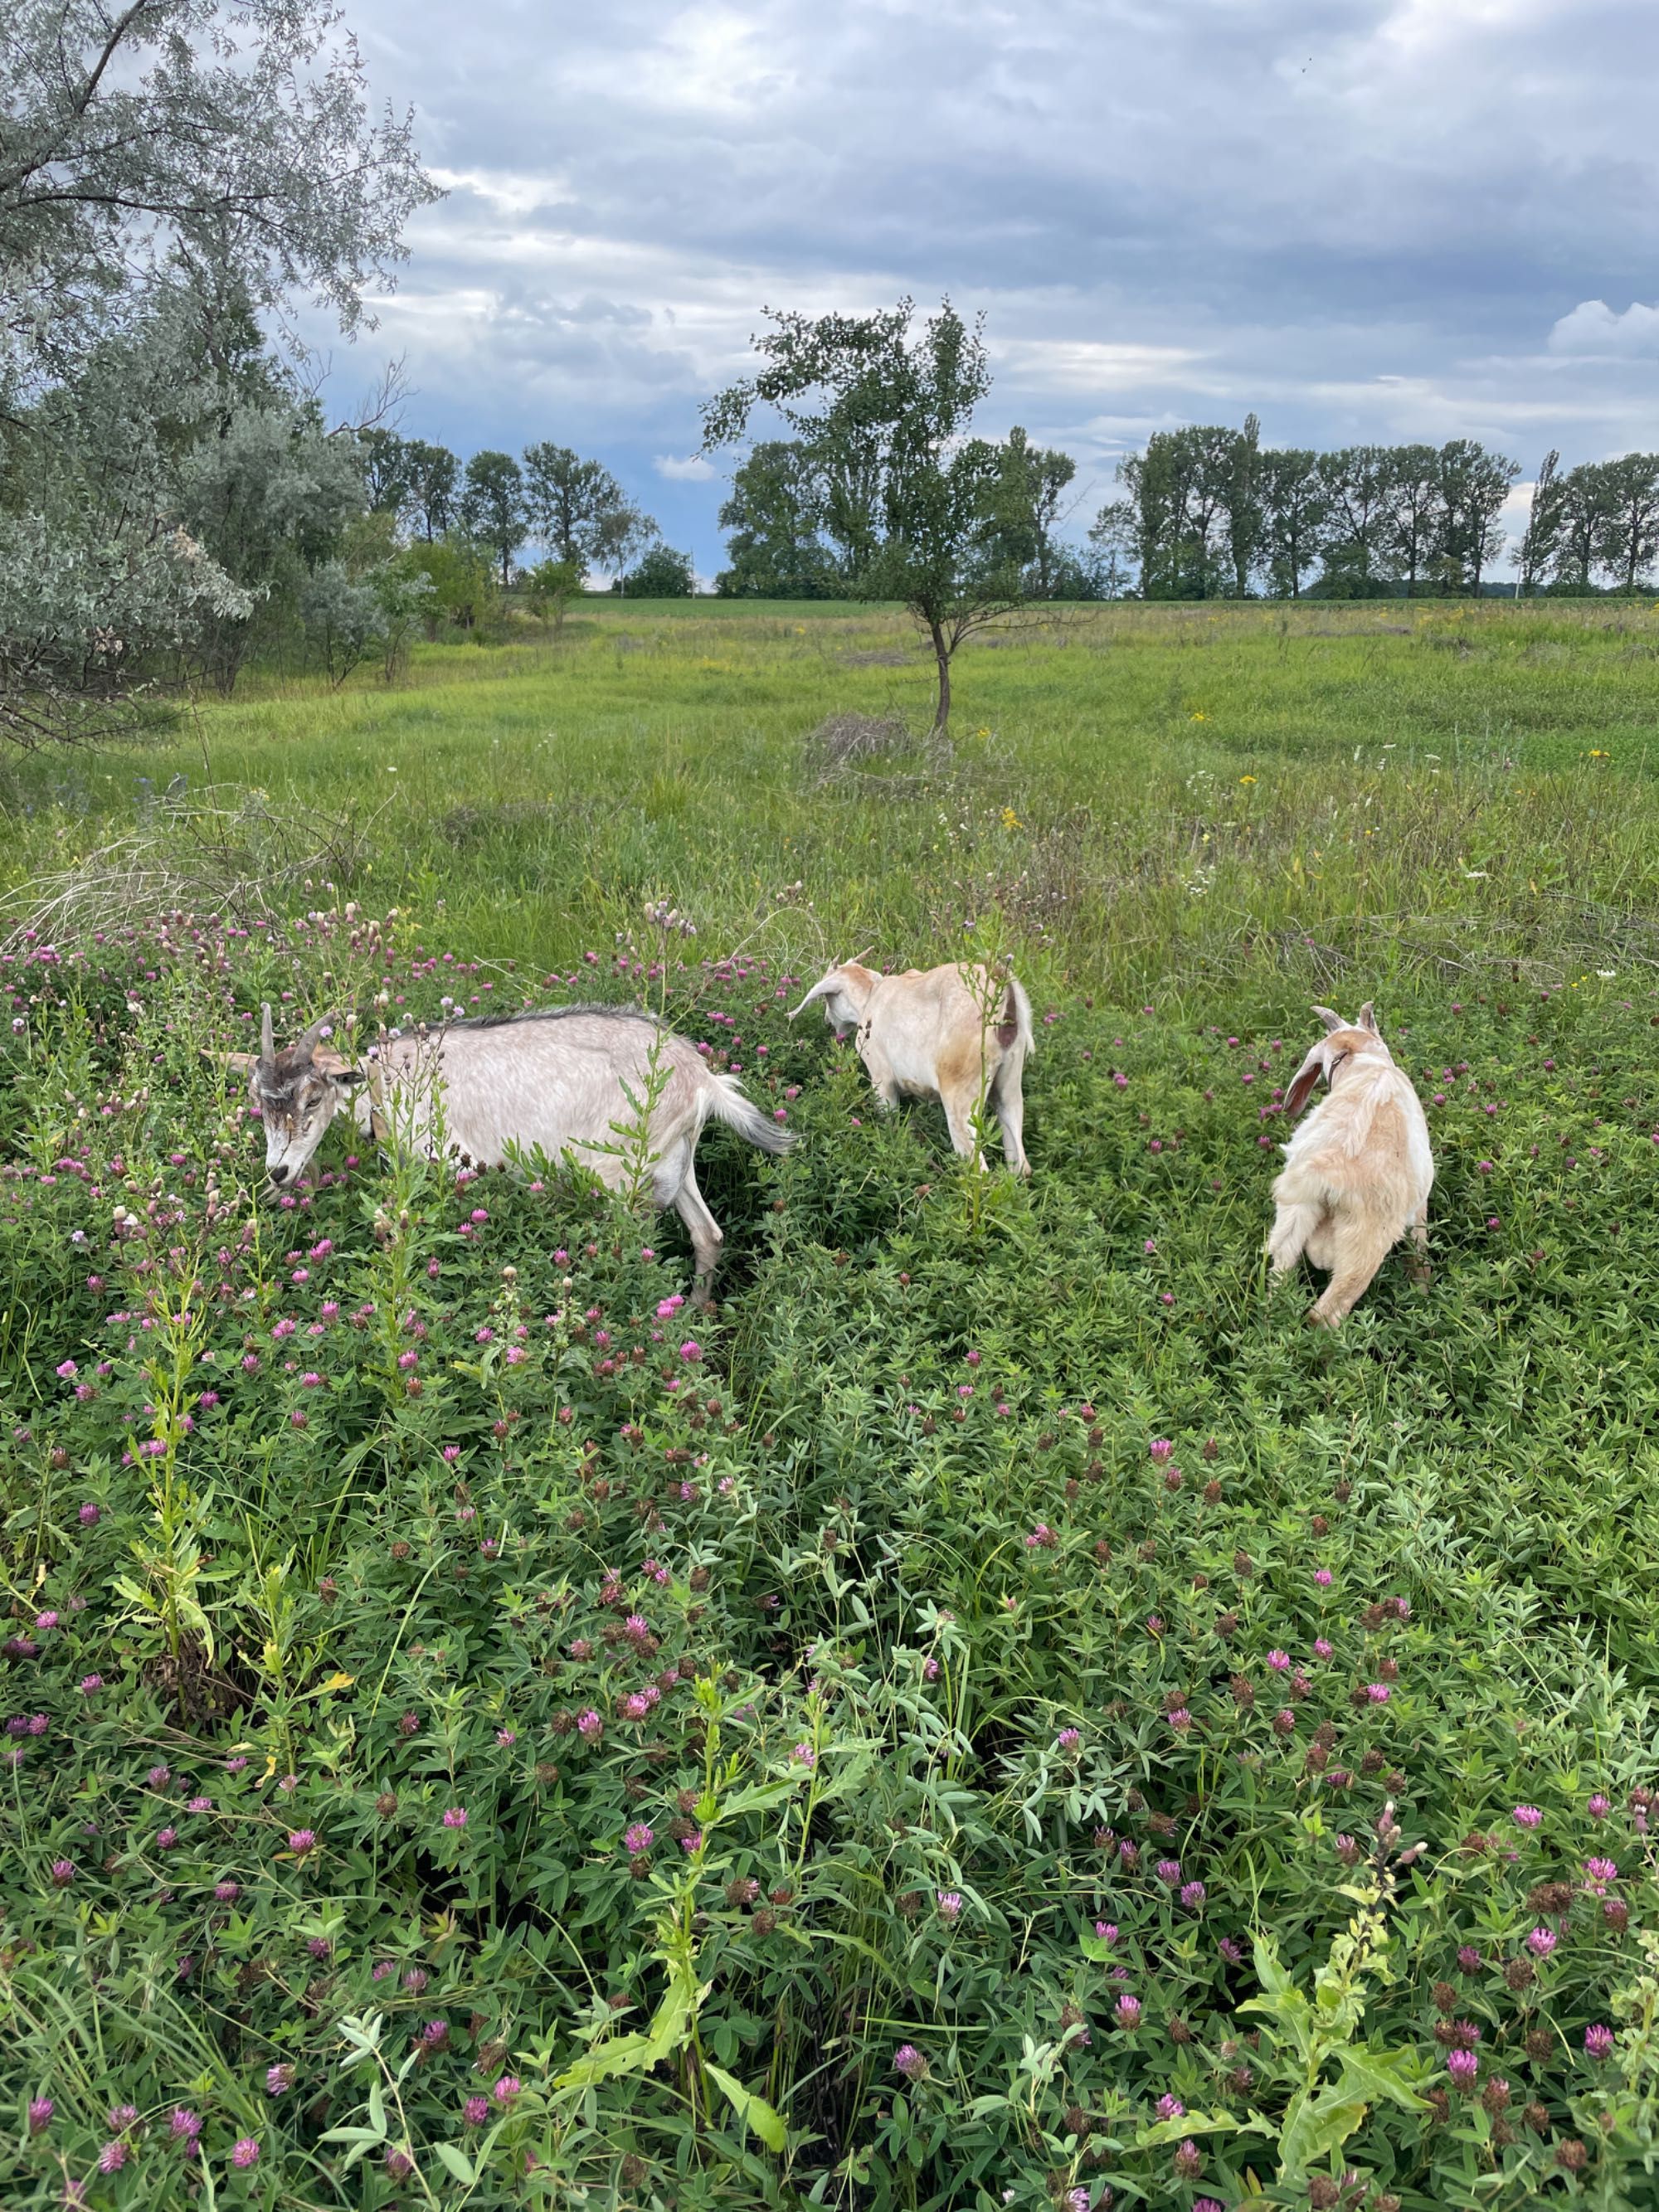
1209, 511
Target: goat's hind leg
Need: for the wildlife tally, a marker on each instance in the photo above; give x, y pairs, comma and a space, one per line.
1361, 1247
707, 1236
1293, 1225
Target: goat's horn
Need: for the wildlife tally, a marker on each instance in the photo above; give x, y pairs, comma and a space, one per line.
305, 1044
267, 1035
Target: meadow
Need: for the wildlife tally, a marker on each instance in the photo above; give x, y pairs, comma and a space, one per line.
1000, 1712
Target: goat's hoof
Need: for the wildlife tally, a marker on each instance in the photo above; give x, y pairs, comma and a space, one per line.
1422, 1276
1317, 1320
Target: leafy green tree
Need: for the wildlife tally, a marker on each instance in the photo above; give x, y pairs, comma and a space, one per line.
1540, 540
661, 574
886, 418
579, 512
1358, 520
269, 500
1629, 540
432, 473
1023, 510
1196, 498
342, 617
1474, 484
156, 199
1585, 503
1110, 564
1294, 509
384, 457
462, 578
774, 516
551, 585
1413, 494
492, 507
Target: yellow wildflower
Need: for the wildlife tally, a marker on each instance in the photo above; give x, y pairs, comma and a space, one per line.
1010, 819
1200, 718
1247, 779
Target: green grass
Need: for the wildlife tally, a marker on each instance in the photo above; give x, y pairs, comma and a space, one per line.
1432, 789
338, 1564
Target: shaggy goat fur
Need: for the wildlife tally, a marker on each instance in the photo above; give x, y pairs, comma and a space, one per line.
957, 1034
1357, 1172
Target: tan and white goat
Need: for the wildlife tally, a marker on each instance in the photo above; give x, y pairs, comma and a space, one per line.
1357, 1172
957, 1034
554, 1082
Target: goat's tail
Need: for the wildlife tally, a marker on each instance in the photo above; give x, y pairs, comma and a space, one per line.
727, 1104
1014, 1022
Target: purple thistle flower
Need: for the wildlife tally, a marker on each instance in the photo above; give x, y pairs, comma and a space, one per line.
279, 2080
1599, 1806
184, 2127
245, 2152
1127, 2010
1193, 1895
1469, 1959
90, 1683
949, 1902
1462, 2066
1231, 1951
165, 1838
399, 2163
1107, 1931
1159, 1450
1541, 1942
1527, 1816
636, 1839
121, 2118
1170, 2108
1602, 1871
803, 1755
1378, 1692
1169, 1871
507, 2089
1598, 2042
159, 1777
40, 2112
90, 1516
301, 1840
476, 2111
226, 1893
62, 1873
455, 1817
1068, 1740
112, 2157
909, 2062
1279, 1661
1322, 1577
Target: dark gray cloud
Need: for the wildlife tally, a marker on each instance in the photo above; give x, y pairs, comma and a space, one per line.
1361, 217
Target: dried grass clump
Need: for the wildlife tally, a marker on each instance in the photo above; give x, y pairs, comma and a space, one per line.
220, 851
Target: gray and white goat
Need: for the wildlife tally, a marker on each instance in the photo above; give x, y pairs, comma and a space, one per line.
555, 1082
957, 1034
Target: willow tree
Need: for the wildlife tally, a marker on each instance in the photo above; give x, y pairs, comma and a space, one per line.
173, 174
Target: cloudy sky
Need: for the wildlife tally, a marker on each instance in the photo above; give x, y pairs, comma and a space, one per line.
1363, 218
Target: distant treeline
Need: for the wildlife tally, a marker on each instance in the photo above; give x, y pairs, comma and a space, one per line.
1209, 512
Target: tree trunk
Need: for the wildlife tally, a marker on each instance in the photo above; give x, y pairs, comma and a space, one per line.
942, 655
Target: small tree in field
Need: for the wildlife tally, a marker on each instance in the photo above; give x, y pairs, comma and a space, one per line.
551, 585
881, 408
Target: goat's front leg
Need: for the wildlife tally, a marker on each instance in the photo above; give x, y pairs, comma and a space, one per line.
707, 1236
879, 1069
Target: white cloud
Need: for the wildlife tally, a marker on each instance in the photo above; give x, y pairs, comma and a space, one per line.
1594, 332
695, 468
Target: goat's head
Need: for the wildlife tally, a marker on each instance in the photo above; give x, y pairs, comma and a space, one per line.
296, 1092
1342, 1040
845, 991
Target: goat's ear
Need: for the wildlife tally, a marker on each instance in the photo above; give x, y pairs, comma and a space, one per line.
1302, 1081
1368, 1019
821, 989
238, 1063
347, 1078
1331, 1021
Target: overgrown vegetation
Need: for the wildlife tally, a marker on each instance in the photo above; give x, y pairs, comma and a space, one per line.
1002, 1713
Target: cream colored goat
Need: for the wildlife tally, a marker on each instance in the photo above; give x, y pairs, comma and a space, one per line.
1357, 1172
558, 1081
957, 1034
